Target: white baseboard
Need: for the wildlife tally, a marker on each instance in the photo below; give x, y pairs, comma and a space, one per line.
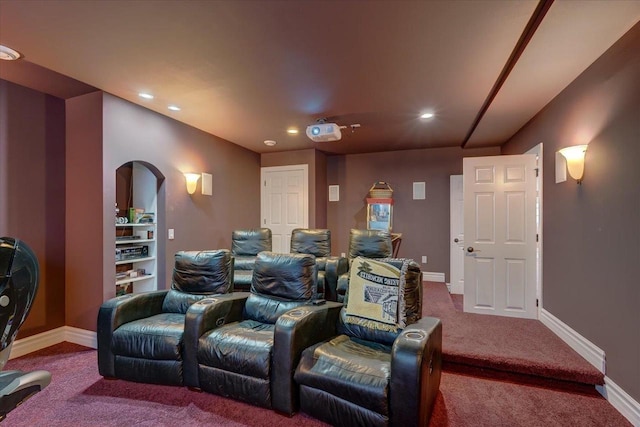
52, 337
585, 348
36, 342
457, 288
614, 394
81, 337
430, 276
620, 400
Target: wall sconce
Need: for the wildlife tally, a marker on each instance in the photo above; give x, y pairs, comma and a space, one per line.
192, 182
575, 160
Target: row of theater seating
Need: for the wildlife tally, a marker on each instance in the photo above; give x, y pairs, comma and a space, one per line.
279, 345
332, 270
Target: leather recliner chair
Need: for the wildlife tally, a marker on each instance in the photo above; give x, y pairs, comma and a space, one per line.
365, 243
19, 276
373, 375
317, 242
245, 246
140, 336
247, 345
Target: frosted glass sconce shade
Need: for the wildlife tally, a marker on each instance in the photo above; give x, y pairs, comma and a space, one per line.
192, 182
575, 160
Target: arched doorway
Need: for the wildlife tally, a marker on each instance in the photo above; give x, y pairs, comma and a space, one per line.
139, 208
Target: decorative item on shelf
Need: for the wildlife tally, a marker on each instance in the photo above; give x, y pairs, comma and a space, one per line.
123, 289
146, 218
131, 252
144, 234
122, 220
135, 214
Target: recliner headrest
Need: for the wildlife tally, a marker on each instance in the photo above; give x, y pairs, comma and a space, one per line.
250, 242
290, 277
316, 242
203, 272
370, 244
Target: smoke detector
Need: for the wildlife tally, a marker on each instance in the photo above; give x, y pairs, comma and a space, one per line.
8, 54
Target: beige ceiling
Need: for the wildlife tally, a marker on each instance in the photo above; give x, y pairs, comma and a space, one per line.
248, 70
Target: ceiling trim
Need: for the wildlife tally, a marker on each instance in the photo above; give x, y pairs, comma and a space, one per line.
528, 32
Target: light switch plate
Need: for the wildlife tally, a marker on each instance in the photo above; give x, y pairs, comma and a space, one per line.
171, 234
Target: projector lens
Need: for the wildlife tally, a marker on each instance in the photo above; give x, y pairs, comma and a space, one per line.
315, 130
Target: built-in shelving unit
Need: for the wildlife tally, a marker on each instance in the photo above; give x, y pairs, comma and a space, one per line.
136, 238
135, 258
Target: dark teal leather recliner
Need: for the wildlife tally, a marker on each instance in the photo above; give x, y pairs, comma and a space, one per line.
317, 242
247, 345
375, 373
140, 336
245, 247
366, 243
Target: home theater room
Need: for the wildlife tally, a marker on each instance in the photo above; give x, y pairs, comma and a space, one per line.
320, 212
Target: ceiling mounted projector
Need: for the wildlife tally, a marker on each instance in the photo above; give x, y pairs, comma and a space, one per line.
324, 132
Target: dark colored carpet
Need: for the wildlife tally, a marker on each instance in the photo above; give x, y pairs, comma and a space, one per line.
466, 401
522, 346
78, 396
458, 301
470, 394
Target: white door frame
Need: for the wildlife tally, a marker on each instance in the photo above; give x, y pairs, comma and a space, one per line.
537, 150
305, 183
456, 236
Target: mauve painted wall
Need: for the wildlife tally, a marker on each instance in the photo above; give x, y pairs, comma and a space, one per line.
200, 222
84, 215
107, 132
424, 224
32, 177
591, 235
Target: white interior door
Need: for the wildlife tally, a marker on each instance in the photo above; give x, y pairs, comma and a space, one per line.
456, 244
284, 202
500, 235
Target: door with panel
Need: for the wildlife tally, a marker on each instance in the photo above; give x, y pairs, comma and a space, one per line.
500, 235
284, 202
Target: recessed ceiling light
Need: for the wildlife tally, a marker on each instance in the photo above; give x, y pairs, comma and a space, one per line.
270, 142
426, 115
8, 54
173, 108
292, 131
145, 95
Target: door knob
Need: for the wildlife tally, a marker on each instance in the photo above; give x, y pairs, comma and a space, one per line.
456, 240
470, 249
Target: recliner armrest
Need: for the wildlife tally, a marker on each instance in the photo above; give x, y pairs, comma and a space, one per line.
296, 330
343, 285
334, 268
203, 316
118, 311
416, 365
